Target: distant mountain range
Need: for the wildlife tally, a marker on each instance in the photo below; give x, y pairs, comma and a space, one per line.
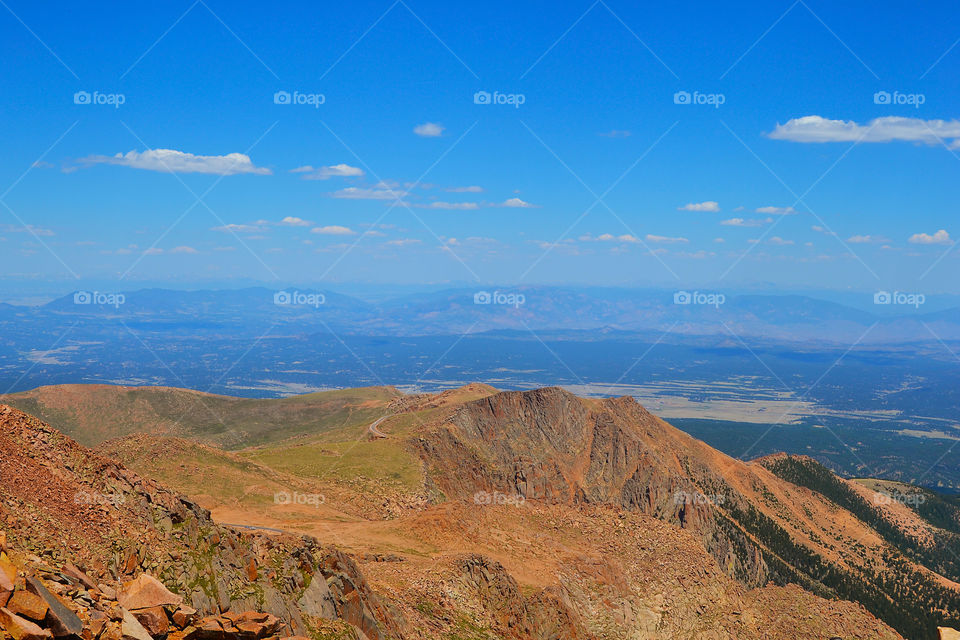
788, 318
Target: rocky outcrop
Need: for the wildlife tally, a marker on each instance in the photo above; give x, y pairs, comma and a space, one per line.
546, 615
548, 445
90, 516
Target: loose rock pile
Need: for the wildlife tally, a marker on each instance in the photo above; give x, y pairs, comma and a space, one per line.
38, 602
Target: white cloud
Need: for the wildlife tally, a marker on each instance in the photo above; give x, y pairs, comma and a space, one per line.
333, 230
469, 189
37, 231
777, 211
332, 171
823, 230
170, 160
517, 202
940, 237
777, 240
886, 129
184, 249
616, 133
719, 240
293, 221
451, 205
357, 193
866, 239
429, 130
745, 222
709, 205
239, 228
403, 242
666, 239
609, 237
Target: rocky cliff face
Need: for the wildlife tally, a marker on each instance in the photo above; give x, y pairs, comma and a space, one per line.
550, 445
63, 504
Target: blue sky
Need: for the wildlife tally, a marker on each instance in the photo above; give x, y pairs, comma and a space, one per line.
805, 176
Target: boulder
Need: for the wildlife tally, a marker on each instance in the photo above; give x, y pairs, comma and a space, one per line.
184, 616
131, 629
146, 592
948, 633
8, 573
21, 628
154, 620
72, 571
60, 619
28, 605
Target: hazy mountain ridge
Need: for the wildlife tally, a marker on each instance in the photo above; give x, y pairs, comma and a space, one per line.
785, 317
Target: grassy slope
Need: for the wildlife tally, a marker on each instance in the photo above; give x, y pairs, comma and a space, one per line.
92, 414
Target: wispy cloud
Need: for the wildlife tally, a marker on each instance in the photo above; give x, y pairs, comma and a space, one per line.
451, 205
886, 129
239, 228
293, 221
170, 160
325, 173
777, 211
609, 237
37, 231
709, 205
517, 202
469, 189
666, 239
866, 239
333, 230
746, 222
429, 130
358, 193
616, 133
